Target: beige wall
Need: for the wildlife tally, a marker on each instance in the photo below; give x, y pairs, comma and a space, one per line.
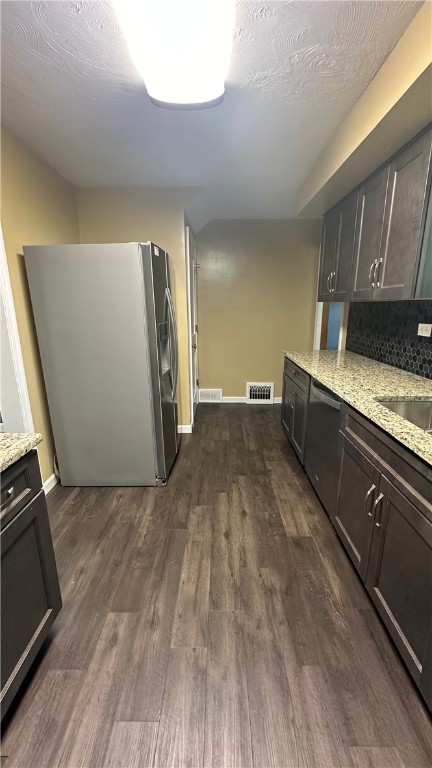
130, 214
38, 206
256, 297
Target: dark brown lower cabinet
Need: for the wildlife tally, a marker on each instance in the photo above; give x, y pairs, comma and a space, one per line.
358, 485
294, 414
30, 593
399, 579
298, 434
287, 407
384, 519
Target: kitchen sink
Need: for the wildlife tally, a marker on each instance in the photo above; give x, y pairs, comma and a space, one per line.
418, 412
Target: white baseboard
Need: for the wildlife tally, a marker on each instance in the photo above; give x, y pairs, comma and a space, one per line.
184, 429
50, 483
276, 400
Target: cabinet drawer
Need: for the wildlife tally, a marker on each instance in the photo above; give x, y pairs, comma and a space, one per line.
301, 378
19, 484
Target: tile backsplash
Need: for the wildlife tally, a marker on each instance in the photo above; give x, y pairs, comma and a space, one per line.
387, 331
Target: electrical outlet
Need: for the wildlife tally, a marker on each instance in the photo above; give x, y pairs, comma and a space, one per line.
424, 329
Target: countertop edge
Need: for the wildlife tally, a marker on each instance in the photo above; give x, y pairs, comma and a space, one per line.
15, 445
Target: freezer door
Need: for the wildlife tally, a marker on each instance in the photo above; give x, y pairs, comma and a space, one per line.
163, 355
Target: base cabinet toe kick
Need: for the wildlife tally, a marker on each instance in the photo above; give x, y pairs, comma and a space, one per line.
381, 509
30, 591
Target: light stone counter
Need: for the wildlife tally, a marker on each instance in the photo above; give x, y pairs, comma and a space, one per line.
13, 445
361, 382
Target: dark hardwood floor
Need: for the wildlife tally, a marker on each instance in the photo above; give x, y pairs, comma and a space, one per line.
214, 622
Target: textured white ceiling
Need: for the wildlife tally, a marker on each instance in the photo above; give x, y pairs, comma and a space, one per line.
71, 93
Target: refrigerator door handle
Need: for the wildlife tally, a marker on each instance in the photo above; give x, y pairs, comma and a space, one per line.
174, 328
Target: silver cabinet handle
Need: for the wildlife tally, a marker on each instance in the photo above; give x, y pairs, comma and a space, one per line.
376, 507
328, 282
377, 271
367, 497
372, 269
10, 493
333, 282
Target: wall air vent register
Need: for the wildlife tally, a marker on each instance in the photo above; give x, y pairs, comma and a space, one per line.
210, 395
259, 392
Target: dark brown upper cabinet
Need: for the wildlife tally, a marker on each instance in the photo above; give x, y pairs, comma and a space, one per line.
404, 218
337, 250
372, 240
329, 242
369, 233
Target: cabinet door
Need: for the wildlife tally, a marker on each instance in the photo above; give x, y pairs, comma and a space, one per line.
399, 578
369, 232
358, 484
299, 418
404, 218
329, 242
341, 282
287, 406
424, 279
30, 593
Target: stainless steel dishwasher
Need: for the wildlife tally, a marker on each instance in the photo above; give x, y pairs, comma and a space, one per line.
322, 444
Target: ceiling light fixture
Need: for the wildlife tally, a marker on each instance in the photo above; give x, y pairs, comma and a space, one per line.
181, 48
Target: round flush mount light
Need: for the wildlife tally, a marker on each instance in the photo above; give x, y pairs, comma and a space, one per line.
181, 48
183, 106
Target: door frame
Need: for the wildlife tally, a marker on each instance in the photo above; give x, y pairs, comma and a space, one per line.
14, 339
188, 232
321, 325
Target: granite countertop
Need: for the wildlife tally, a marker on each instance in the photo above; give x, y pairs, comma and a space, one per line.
13, 445
361, 382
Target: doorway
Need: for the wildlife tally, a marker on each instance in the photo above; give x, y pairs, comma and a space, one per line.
331, 320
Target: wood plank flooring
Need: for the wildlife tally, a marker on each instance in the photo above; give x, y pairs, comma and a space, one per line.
215, 622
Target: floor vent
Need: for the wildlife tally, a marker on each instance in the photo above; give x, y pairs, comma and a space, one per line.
259, 391
210, 395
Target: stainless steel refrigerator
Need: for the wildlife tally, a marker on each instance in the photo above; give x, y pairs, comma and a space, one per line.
107, 337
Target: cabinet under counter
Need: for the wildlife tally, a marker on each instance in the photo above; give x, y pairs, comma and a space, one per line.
30, 591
